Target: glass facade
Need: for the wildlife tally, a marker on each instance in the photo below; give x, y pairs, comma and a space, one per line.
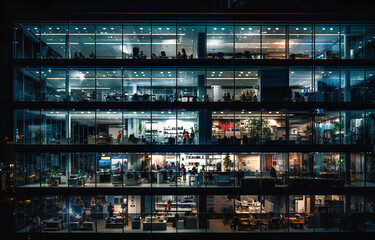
182, 127
193, 84
269, 128
190, 40
194, 170
195, 214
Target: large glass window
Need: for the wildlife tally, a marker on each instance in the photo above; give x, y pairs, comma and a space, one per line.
220, 41
54, 38
82, 85
137, 84
220, 84
353, 127
108, 41
301, 84
164, 84
352, 41
247, 42
300, 42
27, 84
82, 127
109, 85
55, 127
54, 83
136, 41
300, 127
370, 84
191, 41
223, 127
327, 84
138, 128
328, 127
327, 41
352, 84
301, 213
327, 213
191, 84
164, 40
273, 42
274, 131
329, 169
370, 41
247, 84
81, 40
108, 126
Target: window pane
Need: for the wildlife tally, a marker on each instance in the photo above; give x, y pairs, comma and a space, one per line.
137, 39
247, 41
273, 42
54, 38
81, 40
164, 40
352, 41
300, 42
327, 41
108, 41
220, 41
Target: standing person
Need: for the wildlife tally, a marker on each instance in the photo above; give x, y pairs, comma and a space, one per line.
110, 209
273, 172
169, 205
183, 54
192, 136
119, 137
183, 170
185, 135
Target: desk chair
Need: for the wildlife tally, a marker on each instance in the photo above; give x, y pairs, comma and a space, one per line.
247, 55
220, 55
163, 55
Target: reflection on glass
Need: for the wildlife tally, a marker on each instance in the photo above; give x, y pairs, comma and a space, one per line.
137, 84
327, 84
273, 42
164, 41
136, 41
328, 127
108, 41
81, 40
300, 42
220, 43
109, 85
352, 41
53, 40
327, 41
301, 84
247, 42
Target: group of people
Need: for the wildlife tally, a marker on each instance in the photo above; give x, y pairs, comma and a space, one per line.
79, 55
186, 136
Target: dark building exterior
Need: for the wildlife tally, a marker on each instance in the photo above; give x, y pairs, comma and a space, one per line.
184, 125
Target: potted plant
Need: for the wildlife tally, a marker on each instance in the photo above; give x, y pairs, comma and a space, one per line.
228, 163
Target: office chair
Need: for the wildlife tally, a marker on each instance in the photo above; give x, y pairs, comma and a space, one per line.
220, 55
247, 55
135, 53
163, 55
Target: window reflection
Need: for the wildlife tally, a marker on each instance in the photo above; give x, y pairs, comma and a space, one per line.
300, 42
247, 42
273, 42
220, 43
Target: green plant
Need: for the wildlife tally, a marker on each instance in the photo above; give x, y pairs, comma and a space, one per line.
227, 162
258, 127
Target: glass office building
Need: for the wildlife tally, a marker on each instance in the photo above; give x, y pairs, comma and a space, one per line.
193, 126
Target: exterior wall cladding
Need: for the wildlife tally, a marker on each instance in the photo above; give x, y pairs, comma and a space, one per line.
186, 128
